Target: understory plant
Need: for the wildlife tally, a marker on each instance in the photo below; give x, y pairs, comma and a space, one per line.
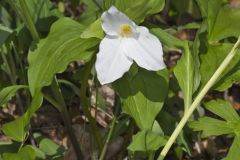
170, 65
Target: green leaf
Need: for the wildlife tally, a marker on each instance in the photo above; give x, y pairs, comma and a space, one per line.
211, 60
138, 10
17, 129
26, 153
7, 93
223, 109
211, 126
229, 28
143, 95
234, 150
232, 77
94, 31
146, 141
54, 53
184, 72
49, 147
216, 12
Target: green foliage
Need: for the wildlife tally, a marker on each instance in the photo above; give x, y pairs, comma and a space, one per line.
7, 93
47, 148
27, 152
142, 99
137, 10
153, 100
212, 126
146, 141
17, 129
57, 51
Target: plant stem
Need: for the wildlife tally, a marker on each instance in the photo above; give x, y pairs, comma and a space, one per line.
85, 103
151, 155
63, 110
109, 136
198, 99
28, 20
104, 150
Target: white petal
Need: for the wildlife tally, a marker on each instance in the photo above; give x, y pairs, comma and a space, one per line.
111, 62
145, 50
113, 19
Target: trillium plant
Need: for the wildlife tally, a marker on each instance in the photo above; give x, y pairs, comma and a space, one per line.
119, 79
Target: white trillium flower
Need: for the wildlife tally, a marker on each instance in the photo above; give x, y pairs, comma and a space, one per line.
124, 43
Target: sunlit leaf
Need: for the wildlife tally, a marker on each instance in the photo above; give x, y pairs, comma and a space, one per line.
17, 129
143, 95
146, 141
52, 55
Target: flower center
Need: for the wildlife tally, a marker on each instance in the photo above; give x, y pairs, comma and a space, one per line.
125, 31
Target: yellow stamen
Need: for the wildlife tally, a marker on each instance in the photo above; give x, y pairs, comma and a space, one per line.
126, 31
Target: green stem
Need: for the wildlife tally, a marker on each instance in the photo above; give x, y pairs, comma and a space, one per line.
104, 150
151, 155
198, 99
65, 116
85, 103
28, 20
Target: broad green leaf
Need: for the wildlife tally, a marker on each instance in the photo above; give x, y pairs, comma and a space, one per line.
211, 126
143, 95
184, 72
17, 129
26, 153
138, 10
50, 148
213, 7
216, 12
146, 141
231, 24
94, 31
211, 60
52, 55
223, 109
233, 152
5, 33
7, 93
